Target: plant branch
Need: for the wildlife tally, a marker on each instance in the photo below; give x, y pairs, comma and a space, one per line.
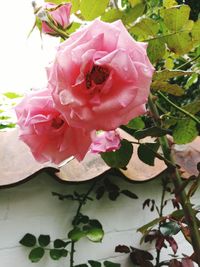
176, 178
186, 63
178, 108
162, 205
81, 203
116, 4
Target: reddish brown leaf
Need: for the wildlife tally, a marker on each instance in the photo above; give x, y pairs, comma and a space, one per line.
172, 243
187, 262
122, 249
175, 263
160, 243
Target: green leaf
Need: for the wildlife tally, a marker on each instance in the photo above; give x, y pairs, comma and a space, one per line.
100, 192
196, 32
169, 228
59, 243
176, 17
145, 228
135, 2
94, 231
64, 252
28, 240
192, 80
192, 107
76, 234
92, 9
156, 50
73, 27
147, 152
119, 158
111, 264
113, 195
145, 27
36, 254
177, 214
185, 131
95, 223
112, 15
95, 234
173, 89
4, 118
12, 95
44, 240
168, 74
7, 125
136, 124
152, 131
56, 254
179, 43
94, 263
129, 194
75, 5
169, 3
133, 13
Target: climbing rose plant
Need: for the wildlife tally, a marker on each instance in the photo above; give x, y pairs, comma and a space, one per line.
121, 64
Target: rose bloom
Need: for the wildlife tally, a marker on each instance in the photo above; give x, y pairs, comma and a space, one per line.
60, 15
105, 142
101, 77
46, 132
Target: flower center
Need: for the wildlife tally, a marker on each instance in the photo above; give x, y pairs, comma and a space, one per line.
57, 123
98, 75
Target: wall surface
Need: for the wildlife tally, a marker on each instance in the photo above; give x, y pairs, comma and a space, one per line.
31, 208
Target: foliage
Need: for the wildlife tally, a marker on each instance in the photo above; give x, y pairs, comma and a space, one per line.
83, 226
7, 101
172, 30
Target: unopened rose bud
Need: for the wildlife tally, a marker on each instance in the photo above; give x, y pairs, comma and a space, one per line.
60, 15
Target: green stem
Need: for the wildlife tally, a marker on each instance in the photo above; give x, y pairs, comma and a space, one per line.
81, 203
186, 63
177, 181
116, 4
178, 108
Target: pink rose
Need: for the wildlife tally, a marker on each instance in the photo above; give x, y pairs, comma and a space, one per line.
45, 131
105, 142
101, 76
60, 14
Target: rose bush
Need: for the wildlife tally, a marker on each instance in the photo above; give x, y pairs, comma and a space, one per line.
101, 77
46, 132
60, 15
105, 142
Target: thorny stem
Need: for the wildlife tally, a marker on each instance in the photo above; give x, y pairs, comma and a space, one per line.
176, 179
179, 109
162, 205
81, 203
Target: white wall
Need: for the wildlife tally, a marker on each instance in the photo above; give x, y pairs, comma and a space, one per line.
30, 207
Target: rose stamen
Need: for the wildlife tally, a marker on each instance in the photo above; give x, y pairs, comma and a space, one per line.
98, 75
57, 123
